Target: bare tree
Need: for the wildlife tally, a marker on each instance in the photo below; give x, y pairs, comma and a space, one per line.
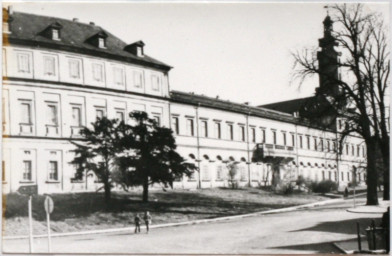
360, 94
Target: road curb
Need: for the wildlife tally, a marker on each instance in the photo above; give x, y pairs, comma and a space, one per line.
342, 250
91, 232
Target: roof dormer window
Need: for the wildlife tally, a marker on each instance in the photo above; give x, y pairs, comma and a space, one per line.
6, 28
101, 42
98, 40
136, 48
52, 31
7, 19
55, 34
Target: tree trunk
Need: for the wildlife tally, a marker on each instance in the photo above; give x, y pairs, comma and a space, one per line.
145, 190
107, 194
385, 156
372, 198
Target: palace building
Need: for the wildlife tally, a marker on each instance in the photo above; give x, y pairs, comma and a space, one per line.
60, 75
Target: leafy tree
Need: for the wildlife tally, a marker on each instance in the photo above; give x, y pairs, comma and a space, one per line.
98, 151
362, 96
149, 155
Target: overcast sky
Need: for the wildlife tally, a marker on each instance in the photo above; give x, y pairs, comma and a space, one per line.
239, 51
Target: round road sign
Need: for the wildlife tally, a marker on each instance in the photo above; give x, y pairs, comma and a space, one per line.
48, 204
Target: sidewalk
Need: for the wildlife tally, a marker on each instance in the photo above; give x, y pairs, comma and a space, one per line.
376, 209
351, 246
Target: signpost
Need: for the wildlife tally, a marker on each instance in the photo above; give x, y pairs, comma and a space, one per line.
49, 205
30, 224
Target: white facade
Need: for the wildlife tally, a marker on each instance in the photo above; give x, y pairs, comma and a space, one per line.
48, 95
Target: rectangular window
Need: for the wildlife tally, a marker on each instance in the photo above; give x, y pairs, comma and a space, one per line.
284, 138
328, 145
176, 125
300, 142
262, 135
274, 137
217, 130
230, 131
308, 142
118, 74
363, 151
53, 170
157, 120
252, 134
97, 72
315, 143
51, 115
23, 63
27, 170
120, 115
25, 112
76, 116
74, 68
101, 42
155, 82
99, 113
242, 133
358, 150
348, 176
219, 171
323, 175
292, 140
55, 34
204, 129
335, 149
190, 127
137, 79
342, 174
49, 66
352, 150
329, 175
347, 149
321, 145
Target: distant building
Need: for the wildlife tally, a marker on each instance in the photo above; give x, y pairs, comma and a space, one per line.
59, 75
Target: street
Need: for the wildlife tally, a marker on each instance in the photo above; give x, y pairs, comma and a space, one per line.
303, 231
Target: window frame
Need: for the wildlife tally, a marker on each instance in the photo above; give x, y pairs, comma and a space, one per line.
29, 173
56, 169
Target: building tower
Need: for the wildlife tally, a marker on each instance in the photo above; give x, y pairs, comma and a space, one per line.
328, 59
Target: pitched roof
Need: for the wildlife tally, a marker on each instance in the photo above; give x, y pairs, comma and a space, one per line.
289, 106
194, 99
26, 29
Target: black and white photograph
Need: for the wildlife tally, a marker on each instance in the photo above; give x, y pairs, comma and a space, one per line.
185, 127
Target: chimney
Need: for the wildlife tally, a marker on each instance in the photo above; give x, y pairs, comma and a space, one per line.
75, 19
10, 10
92, 23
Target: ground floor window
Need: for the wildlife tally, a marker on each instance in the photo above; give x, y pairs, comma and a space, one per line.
219, 172
243, 172
27, 170
53, 170
205, 173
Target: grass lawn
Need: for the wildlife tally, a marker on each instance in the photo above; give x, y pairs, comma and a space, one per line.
86, 211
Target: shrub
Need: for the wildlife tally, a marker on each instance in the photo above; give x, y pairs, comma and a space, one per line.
324, 186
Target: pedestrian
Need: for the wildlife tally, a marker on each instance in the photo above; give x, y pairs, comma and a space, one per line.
137, 223
345, 192
147, 220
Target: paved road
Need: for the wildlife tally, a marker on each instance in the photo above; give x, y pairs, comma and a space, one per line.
303, 231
